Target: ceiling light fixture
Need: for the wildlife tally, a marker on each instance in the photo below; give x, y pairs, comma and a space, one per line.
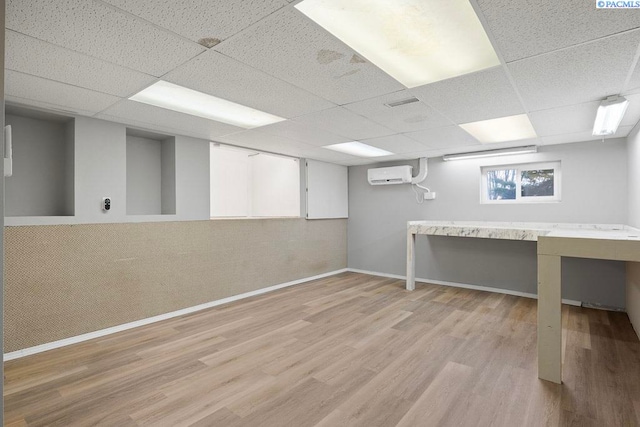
188, 101
609, 116
414, 41
359, 149
491, 153
511, 128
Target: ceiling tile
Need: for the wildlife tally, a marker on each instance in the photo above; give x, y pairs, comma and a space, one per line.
444, 137
258, 140
562, 120
155, 116
303, 133
290, 46
24, 88
634, 82
403, 118
224, 77
42, 59
198, 19
343, 122
479, 96
397, 144
583, 136
252, 138
580, 74
523, 28
101, 31
632, 116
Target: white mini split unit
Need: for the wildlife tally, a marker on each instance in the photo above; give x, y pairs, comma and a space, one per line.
403, 175
392, 175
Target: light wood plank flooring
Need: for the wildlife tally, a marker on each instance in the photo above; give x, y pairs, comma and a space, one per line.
349, 350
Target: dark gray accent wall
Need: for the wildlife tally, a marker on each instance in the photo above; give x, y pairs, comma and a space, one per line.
594, 190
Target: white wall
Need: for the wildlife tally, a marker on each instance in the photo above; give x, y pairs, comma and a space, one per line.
594, 181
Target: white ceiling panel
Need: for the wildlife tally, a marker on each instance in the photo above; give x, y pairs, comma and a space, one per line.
583, 136
290, 46
580, 74
155, 116
632, 116
198, 19
303, 133
403, 118
343, 122
479, 96
524, 28
444, 137
101, 31
32, 56
375, 162
562, 120
59, 95
224, 77
259, 140
397, 144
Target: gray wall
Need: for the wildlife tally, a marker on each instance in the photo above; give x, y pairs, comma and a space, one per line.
633, 158
633, 269
40, 184
100, 169
168, 176
100, 155
594, 190
144, 176
192, 178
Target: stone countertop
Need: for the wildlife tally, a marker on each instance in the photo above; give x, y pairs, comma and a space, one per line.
525, 231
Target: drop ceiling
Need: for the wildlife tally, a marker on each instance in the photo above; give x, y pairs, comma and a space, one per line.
87, 57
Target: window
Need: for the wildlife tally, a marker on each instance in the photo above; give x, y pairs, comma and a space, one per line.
525, 183
248, 183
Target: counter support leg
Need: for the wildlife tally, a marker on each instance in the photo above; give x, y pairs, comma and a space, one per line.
411, 261
549, 318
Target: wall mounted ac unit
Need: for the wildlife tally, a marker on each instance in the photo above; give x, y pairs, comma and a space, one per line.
391, 175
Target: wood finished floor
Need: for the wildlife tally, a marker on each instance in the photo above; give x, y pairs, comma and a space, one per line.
349, 350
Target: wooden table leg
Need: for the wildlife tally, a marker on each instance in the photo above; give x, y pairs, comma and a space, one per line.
411, 261
549, 318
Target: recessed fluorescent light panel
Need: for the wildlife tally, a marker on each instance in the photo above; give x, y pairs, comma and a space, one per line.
491, 153
512, 128
358, 149
415, 41
610, 114
188, 101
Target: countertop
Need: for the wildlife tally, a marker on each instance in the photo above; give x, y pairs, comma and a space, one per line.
526, 231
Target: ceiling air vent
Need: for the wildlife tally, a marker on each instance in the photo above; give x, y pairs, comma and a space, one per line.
402, 102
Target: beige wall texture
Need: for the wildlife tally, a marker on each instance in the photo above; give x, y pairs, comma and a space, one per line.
66, 280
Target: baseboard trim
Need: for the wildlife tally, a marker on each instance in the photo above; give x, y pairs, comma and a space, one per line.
463, 285
119, 328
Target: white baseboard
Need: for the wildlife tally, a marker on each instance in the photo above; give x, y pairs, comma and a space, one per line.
112, 330
463, 285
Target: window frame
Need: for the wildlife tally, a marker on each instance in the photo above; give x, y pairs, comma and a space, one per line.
520, 167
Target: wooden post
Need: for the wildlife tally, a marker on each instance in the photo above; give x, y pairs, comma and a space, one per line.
549, 318
411, 261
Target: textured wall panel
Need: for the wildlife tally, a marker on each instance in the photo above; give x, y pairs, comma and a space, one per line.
66, 280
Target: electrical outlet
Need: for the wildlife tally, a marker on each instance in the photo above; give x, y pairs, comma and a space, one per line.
106, 204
